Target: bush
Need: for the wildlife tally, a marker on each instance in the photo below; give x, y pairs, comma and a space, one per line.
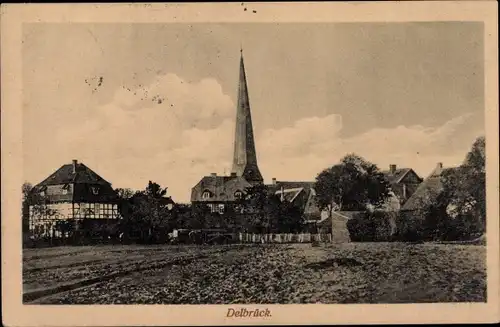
372, 227
435, 225
462, 228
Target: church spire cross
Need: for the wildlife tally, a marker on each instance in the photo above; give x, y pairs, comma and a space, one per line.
245, 157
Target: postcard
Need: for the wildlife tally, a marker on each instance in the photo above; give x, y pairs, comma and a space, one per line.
250, 163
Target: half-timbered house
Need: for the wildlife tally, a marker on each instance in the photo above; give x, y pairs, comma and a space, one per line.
73, 193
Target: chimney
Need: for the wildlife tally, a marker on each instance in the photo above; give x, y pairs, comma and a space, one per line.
438, 170
233, 174
213, 174
392, 168
75, 162
274, 181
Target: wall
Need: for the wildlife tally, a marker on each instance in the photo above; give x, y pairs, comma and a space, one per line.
43, 224
340, 233
284, 238
96, 211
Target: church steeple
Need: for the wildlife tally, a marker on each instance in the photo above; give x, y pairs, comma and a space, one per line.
245, 157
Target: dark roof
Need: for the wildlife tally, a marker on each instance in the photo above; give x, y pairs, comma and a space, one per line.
300, 192
290, 194
222, 188
290, 184
427, 191
66, 175
82, 185
397, 176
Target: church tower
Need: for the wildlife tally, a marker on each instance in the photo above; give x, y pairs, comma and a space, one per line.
245, 157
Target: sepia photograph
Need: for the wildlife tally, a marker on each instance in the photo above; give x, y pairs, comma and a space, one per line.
246, 163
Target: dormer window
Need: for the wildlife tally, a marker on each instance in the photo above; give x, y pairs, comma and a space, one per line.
206, 195
238, 195
65, 189
42, 190
95, 190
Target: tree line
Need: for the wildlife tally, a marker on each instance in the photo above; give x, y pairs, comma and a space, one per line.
353, 184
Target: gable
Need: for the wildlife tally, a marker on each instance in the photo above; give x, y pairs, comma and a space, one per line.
66, 175
427, 191
410, 177
289, 194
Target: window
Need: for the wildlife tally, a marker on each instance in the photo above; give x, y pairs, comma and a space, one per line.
97, 210
65, 189
42, 190
221, 208
205, 195
238, 195
95, 190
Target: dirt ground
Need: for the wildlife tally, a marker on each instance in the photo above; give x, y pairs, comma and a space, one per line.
301, 273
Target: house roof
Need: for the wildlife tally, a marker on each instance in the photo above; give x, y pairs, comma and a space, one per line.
289, 194
427, 191
87, 186
222, 188
66, 175
397, 175
302, 192
306, 185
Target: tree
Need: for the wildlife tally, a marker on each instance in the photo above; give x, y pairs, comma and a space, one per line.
148, 212
256, 208
124, 193
464, 189
285, 217
265, 212
35, 204
155, 190
25, 211
354, 183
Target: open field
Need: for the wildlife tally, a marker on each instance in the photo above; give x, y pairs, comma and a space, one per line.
345, 273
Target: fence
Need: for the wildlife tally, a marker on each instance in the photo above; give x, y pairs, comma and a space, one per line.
284, 238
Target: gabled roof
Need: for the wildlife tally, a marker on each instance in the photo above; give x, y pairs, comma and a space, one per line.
302, 192
66, 175
289, 194
427, 191
397, 175
306, 185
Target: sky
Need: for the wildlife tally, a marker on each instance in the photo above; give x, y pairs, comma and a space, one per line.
139, 102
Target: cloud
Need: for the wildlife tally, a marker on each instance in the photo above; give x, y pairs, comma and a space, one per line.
170, 131
313, 144
174, 132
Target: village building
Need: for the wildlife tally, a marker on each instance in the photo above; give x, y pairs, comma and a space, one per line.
72, 193
403, 183
415, 208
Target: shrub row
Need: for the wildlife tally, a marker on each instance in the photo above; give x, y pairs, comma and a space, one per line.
414, 226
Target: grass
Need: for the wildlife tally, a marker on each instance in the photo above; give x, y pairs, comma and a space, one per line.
345, 273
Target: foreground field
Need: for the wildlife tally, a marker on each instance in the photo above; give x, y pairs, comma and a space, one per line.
347, 273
